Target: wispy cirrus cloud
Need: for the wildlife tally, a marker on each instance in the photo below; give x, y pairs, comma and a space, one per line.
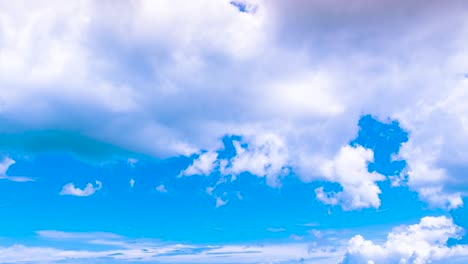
425, 242
130, 250
61, 235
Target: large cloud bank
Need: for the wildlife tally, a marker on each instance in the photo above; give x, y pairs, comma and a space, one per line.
165, 78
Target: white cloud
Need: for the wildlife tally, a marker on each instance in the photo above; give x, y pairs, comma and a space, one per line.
263, 156
132, 183
311, 224
70, 189
275, 230
349, 169
161, 188
5, 165
61, 235
203, 165
209, 190
132, 162
220, 202
138, 80
147, 251
425, 242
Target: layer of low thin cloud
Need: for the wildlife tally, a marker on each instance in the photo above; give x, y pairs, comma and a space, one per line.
349, 169
130, 250
424, 242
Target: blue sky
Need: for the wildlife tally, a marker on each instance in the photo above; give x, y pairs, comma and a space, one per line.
217, 131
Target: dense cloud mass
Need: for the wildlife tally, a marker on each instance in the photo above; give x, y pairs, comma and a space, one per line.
425, 242
292, 78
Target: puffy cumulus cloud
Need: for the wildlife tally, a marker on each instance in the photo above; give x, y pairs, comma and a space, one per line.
425, 242
5, 165
264, 156
90, 189
436, 156
168, 78
61, 235
428, 179
349, 168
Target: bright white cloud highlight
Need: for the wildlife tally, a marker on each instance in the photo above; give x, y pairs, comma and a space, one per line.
90, 189
349, 169
425, 242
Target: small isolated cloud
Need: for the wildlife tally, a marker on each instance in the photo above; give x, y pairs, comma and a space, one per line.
220, 202
70, 189
161, 188
275, 230
425, 242
132, 162
239, 196
132, 183
262, 155
5, 165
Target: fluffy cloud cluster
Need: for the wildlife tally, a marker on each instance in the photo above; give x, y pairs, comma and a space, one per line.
425, 242
172, 77
264, 156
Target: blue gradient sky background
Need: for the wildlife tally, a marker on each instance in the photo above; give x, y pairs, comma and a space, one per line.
217, 131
